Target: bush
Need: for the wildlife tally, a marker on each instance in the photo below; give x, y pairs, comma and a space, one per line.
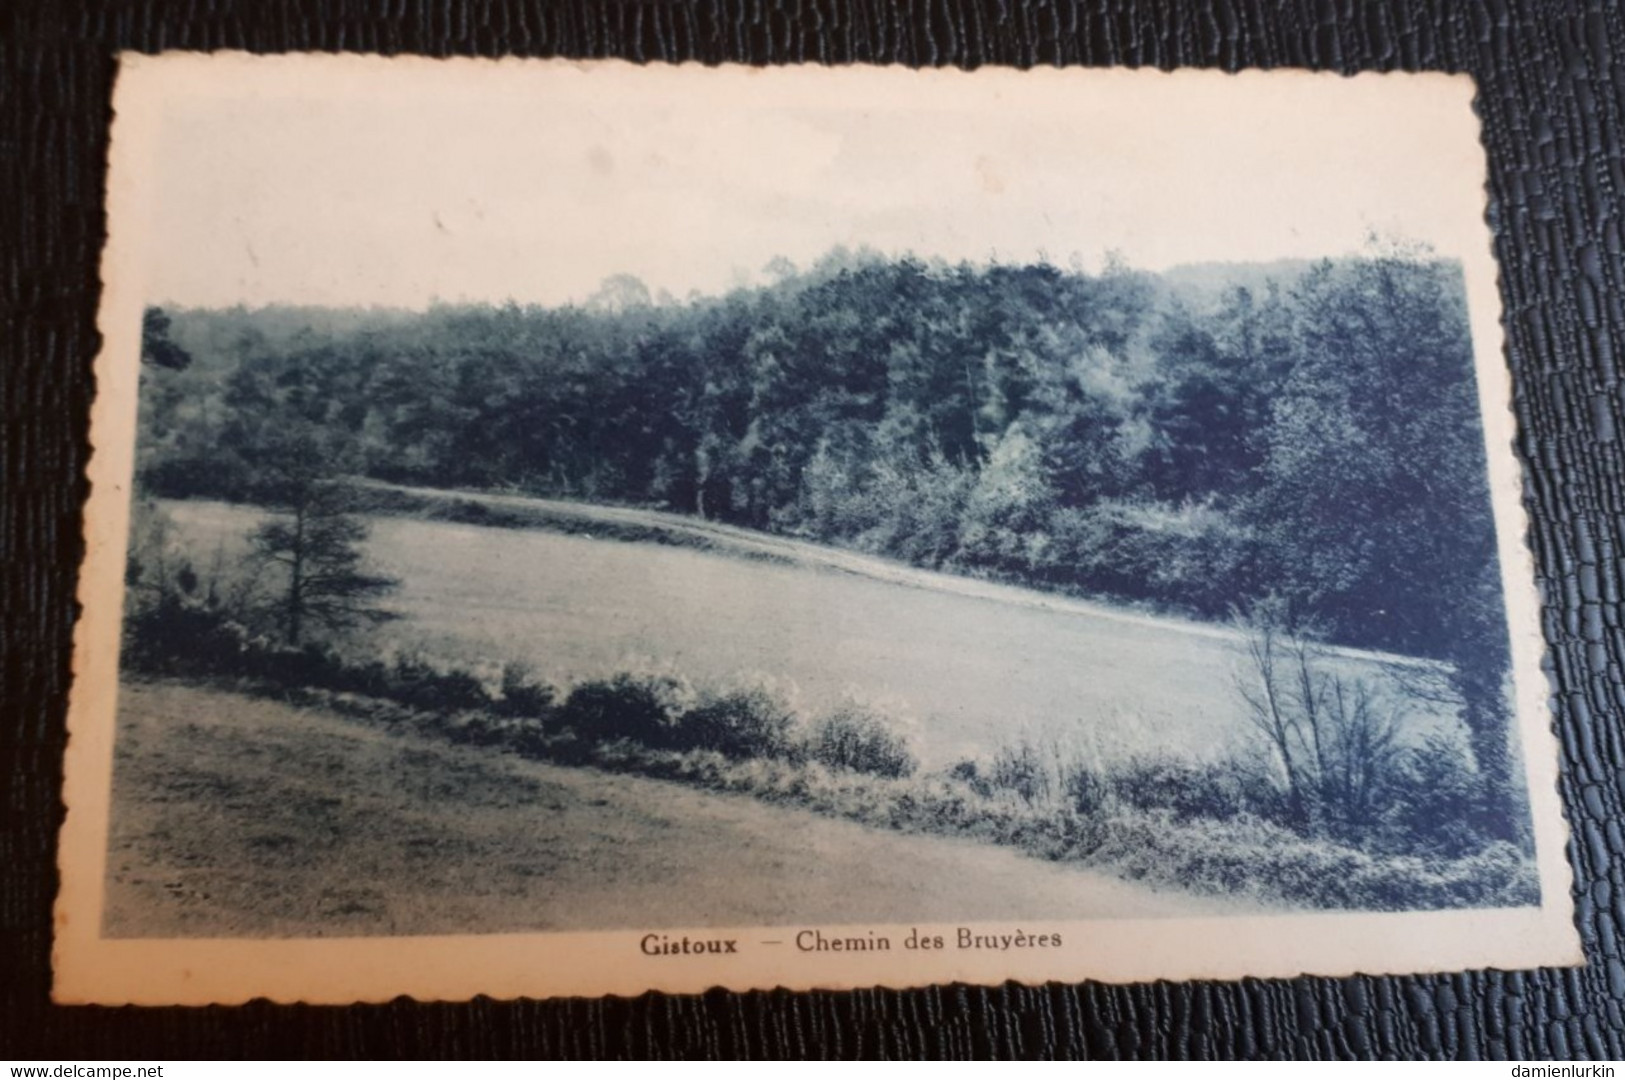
371, 678
642, 709
855, 739
1250, 856
181, 636
1020, 769
741, 724
1434, 800
175, 623
309, 666
423, 686
1335, 736
522, 693
968, 771
1219, 791
1085, 789
1045, 777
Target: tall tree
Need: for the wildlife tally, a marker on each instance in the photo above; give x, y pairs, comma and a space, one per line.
1209, 406
1374, 507
314, 538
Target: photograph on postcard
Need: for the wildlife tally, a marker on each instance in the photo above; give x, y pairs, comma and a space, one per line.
914, 516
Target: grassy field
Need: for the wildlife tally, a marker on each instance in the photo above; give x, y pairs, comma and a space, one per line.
238, 816
965, 664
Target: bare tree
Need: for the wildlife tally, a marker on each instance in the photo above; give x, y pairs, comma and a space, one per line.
1271, 713
1333, 737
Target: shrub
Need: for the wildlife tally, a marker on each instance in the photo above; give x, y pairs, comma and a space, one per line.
1085, 789
522, 693
372, 678
642, 709
968, 771
1334, 736
1434, 800
176, 623
421, 685
1188, 790
855, 739
1019, 768
309, 666
750, 723
181, 636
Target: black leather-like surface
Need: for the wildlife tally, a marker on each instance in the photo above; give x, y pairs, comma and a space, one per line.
1552, 95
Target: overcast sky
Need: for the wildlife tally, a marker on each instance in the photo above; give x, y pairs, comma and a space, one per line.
398, 183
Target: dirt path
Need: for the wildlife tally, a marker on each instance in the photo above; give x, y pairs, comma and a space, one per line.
242, 817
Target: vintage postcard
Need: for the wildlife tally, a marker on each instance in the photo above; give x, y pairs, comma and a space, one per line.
572, 529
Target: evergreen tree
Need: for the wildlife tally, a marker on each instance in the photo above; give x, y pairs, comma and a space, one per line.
314, 538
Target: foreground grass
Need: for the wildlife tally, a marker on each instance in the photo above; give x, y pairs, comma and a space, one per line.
237, 816
1242, 858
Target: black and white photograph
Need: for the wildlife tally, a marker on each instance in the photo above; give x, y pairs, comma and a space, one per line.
606, 528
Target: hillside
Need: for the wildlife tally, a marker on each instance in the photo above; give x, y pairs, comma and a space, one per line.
243, 817
966, 665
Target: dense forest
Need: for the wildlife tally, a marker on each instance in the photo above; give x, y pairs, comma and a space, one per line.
1201, 441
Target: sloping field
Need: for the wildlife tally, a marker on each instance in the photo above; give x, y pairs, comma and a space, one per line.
238, 817
966, 664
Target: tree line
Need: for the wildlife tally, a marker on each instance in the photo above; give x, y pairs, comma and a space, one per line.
1308, 439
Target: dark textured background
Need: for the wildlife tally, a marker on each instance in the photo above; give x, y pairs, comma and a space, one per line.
1552, 86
